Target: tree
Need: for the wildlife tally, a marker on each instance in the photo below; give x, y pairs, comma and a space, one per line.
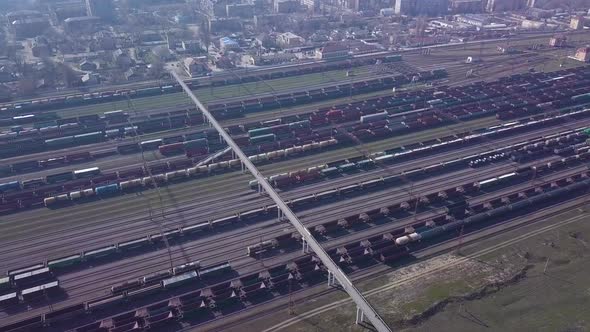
68, 75
50, 70
156, 68
3, 50
205, 35
26, 87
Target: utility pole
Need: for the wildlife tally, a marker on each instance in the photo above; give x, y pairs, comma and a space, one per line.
291, 303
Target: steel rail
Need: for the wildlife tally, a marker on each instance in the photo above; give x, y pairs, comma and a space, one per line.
346, 284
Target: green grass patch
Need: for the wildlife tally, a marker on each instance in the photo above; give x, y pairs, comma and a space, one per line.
436, 293
214, 94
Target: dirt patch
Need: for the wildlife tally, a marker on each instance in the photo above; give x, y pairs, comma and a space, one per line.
483, 291
554, 295
432, 285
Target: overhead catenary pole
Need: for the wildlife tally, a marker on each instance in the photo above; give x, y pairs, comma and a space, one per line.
362, 304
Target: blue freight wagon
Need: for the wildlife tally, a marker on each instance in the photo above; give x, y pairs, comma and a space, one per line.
64, 261
260, 132
581, 98
393, 58
148, 91
59, 142
330, 171
215, 270
112, 133
89, 137
179, 280
99, 253
263, 138
9, 186
107, 190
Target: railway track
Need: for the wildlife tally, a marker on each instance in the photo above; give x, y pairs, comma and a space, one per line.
82, 284
364, 273
147, 262
300, 296
247, 196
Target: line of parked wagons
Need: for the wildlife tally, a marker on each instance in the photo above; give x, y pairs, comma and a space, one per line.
511, 177
171, 278
283, 179
323, 115
25, 285
540, 200
382, 248
98, 97
386, 248
391, 156
386, 157
176, 175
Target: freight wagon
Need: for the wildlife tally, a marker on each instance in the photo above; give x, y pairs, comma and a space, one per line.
88, 172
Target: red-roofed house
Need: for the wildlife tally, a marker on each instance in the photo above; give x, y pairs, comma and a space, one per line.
333, 51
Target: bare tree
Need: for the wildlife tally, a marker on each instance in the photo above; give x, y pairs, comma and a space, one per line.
68, 75
205, 35
156, 68
26, 87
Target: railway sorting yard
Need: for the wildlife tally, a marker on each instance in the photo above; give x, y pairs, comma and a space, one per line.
134, 214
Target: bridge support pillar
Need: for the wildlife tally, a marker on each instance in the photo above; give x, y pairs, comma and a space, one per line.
332, 279
305, 246
360, 316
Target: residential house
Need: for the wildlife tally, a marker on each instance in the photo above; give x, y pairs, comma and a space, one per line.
583, 54
90, 79
286, 6
558, 41
290, 40
82, 24
228, 44
195, 66
88, 66
162, 53
272, 59
122, 59
104, 40
243, 10
30, 27
40, 47
333, 51
191, 46
577, 23
225, 24
22, 15
132, 75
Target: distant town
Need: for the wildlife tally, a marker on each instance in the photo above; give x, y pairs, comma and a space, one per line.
51, 45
